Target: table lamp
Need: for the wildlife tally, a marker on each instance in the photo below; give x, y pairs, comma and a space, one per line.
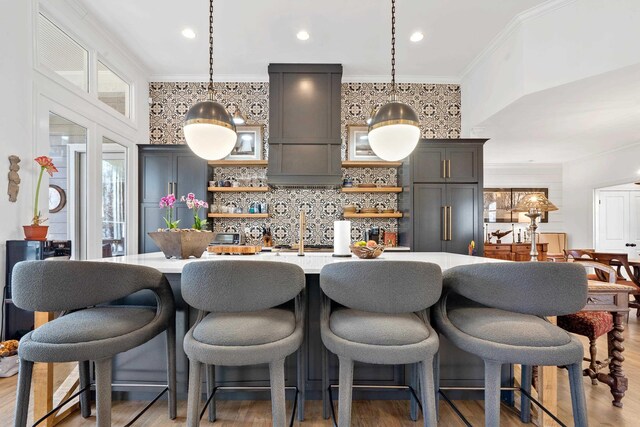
534, 205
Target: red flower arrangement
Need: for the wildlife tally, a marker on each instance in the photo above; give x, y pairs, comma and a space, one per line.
46, 164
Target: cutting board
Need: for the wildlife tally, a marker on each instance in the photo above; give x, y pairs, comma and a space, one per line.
234, 249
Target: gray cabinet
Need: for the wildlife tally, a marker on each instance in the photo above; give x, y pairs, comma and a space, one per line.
445, 164
442, 186
167, 169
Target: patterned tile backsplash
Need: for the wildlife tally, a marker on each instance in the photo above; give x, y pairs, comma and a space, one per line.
437, 106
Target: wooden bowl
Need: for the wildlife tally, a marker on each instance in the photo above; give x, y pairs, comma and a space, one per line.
366, 252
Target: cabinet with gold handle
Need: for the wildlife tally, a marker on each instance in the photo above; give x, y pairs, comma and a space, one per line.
444, 223
449, 226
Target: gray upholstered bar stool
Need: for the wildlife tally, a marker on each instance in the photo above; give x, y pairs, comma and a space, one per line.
496, 310
88, 331
238, 326
384, 320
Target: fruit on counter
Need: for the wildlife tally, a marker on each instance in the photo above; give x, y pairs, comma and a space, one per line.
360, 243
372, 243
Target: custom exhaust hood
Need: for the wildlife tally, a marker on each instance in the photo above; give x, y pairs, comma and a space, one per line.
304, 125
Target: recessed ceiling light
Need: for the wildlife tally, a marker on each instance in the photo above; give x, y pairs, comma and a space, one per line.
416, 37
302, 35
189, 33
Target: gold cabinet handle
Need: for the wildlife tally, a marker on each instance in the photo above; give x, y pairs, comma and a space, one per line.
444, 168
444, 223
448, 168
450, 223
168, 188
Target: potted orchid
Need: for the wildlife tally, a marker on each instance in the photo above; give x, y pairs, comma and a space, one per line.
195, 205
37, 231
182, 242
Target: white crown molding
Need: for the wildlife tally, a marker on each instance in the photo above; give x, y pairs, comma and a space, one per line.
509, 165
222, 78
542, 9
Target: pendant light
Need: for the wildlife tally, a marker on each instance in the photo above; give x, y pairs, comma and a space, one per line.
208, 127
238, 118
394, 129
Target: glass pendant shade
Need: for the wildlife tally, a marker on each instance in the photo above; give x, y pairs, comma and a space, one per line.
209, 130
394, 131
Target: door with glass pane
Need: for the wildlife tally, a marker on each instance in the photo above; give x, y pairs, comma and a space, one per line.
114, 199
67, 215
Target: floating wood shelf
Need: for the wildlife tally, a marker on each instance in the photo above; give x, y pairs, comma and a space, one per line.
380, 164
231, 163
372, 189
237, 215
238, 189
373, 215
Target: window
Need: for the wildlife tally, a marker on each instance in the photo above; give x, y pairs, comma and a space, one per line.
112, 90
60, 53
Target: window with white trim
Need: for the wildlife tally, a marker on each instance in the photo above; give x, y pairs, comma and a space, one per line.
113, 90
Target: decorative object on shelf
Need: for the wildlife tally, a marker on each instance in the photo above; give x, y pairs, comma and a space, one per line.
248, 144
234, 249
499, 204
499, 235
267, 238
534, 205
394, 129
358, 143
37, 231
347, 182
57, 198
195, 205
367, 250
341, 238
14, 178
208, 127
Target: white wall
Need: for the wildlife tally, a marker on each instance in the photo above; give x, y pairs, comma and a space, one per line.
524, 176
581, 177
559, 43
16, 120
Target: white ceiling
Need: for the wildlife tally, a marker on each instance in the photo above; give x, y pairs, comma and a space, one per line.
579, 119
248, 35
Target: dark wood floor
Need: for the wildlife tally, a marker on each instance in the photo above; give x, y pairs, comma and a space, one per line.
383, 413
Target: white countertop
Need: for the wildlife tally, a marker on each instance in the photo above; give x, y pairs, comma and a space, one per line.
311, 263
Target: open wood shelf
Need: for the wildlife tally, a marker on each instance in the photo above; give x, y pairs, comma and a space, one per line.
380, 164
231, 163
372, 190
373, 215
238, 215
238, 189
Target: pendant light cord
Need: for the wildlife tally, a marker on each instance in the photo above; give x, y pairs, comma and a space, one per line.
211, 49
393, 47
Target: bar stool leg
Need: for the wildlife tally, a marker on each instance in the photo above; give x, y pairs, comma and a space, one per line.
525, 403
211, 384
492, 393
193, 396
413, 383
278, 406
22, 397
85, 379
302, 376
577, 395
436, 381
103, 392
428, 393
325, 383
171, 367
345, 385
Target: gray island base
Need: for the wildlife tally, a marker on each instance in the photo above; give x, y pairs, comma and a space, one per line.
147, 363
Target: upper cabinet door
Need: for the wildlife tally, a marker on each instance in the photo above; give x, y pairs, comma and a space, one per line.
462, 164
156, 176
190, 175
429, 164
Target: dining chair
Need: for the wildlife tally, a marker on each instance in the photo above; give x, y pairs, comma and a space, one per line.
620, 261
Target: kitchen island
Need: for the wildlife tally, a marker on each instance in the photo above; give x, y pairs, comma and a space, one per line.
147, 363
